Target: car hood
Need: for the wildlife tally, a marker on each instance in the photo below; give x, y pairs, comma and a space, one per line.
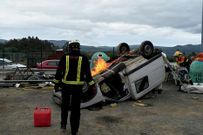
13, 66
18, 65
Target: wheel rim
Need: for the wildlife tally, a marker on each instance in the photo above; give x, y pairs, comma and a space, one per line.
147, 50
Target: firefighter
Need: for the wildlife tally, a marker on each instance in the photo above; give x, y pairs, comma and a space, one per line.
73, 71
181, 59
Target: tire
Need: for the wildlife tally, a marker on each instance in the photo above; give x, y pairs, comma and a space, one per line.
33, 77
147, 49
123, 47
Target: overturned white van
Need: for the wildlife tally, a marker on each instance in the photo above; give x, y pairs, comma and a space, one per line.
130, 78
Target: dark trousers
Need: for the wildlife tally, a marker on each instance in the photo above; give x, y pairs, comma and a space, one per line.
71, 98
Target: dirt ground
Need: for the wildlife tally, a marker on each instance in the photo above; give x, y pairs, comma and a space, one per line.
168, 113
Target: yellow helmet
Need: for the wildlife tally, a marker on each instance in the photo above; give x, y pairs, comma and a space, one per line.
177, 53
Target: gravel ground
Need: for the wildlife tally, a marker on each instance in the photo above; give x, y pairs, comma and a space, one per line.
168, 113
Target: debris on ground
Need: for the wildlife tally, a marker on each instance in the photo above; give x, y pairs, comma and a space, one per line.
140, 103
113, 105
195, 98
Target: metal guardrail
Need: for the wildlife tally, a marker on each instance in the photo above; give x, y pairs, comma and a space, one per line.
20, 81
32, 69
19, 75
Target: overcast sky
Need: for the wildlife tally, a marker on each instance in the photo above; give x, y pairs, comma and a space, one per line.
103, 22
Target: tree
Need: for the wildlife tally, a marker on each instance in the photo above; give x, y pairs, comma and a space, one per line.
30, 44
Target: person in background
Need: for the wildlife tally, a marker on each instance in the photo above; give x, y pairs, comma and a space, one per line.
182, 60
72, 73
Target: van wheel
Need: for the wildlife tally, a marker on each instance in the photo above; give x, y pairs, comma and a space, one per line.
146, 49
123, 48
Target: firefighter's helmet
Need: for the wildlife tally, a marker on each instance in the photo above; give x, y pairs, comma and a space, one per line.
74, 46
177, 54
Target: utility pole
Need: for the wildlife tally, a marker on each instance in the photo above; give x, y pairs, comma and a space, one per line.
202, 27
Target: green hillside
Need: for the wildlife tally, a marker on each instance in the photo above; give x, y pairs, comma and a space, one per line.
21, 45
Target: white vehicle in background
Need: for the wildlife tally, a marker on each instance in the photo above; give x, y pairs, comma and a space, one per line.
129, 76
8, 64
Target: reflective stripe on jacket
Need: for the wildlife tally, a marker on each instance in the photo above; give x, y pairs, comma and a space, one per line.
77, 81
73, 70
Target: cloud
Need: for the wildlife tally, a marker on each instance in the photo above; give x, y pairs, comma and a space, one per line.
103, 22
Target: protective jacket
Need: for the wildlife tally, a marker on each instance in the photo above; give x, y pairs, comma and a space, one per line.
73, 69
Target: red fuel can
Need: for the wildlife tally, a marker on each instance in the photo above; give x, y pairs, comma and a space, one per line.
42, 117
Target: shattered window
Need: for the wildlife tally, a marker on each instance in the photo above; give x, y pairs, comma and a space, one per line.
142, 84
52, 63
